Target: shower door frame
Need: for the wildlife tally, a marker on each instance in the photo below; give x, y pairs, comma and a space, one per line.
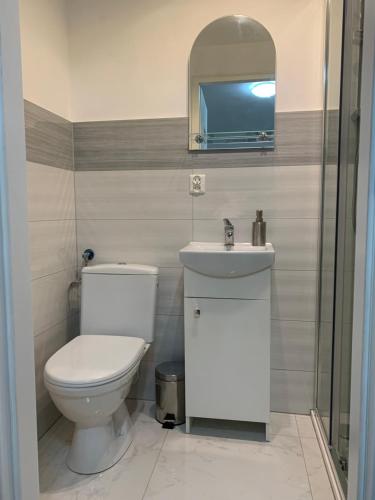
352, 9
18, 450
361, 485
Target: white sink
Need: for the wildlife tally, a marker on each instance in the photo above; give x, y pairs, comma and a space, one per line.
214, 259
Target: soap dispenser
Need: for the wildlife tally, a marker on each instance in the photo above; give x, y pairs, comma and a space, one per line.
259, 230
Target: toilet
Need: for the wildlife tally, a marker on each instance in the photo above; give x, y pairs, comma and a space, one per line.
89, 378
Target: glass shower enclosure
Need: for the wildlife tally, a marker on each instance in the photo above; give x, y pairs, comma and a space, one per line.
338, 225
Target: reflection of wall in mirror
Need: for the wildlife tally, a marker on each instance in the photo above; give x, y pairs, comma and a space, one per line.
231, 62
220, 61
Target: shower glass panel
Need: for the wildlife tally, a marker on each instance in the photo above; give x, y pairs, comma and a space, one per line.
347, 188
338, 223
329, 208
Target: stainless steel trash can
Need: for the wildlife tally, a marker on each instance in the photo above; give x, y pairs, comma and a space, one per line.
170, 393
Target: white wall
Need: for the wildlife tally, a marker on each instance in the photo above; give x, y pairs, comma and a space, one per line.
45, 54
129, 59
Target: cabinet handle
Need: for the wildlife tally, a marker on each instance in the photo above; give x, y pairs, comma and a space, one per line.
197, 312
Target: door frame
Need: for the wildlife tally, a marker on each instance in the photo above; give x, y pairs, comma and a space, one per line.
18, 450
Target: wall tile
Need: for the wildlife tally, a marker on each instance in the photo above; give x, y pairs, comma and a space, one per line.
293, 295
327, 295
328, 244
282, 192
47, 414
330, 190
50, 193
49, 138
168, 343
148, 144
53, 252
136, 194
298, 138
144, 385
130, 144
45, 345
293, 345
170, 292
133, 202
153, 242
295, 240
296, 243
292, 391
50, 299
52, 246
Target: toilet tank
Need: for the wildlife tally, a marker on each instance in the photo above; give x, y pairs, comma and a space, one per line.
119, 299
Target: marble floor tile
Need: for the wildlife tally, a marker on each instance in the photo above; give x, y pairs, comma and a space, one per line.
127, 479
305, 426
215, 463
318, 478
283, 424
192, 467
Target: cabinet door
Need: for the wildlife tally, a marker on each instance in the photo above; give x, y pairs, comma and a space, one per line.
227, 359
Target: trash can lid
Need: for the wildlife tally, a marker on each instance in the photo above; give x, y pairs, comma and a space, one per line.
171, 371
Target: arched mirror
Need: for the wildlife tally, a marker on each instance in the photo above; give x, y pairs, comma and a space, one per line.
232, 86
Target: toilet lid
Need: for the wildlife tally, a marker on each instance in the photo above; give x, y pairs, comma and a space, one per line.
90, 360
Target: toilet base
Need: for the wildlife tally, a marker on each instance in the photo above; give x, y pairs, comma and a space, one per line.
97, 448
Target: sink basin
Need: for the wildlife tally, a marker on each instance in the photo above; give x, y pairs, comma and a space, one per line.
214, 259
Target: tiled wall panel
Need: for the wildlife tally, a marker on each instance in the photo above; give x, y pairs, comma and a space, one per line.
162, 144
52, 242
133, 204
49, 138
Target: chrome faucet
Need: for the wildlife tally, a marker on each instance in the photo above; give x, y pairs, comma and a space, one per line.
228, 233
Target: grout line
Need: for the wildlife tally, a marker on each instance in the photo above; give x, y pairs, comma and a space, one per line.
75, 205
304, 461
33, 221
248, 218
273, 318
288, 370
303, 455
135, 219
294, 320
64, 270
54, 325
155, 464
195, 219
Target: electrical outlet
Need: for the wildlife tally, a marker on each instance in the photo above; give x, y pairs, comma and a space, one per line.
197, 184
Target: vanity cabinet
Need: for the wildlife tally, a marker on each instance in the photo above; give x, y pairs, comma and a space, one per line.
227, 346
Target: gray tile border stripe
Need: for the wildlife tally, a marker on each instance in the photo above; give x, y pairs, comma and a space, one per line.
162, 144
158, 143
49, 137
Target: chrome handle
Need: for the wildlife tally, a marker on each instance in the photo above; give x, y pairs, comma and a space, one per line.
197, 312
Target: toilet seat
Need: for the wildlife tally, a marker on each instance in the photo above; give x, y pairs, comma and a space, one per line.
93, 360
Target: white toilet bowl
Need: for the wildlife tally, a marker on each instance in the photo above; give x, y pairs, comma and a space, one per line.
88, 380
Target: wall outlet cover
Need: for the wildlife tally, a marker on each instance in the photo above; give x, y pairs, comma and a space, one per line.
197, 184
